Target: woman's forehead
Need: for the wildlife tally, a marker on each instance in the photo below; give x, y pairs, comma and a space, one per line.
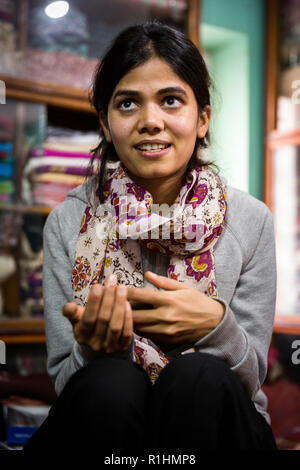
155, 74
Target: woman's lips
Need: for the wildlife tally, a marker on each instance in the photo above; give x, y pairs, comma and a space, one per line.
152, 154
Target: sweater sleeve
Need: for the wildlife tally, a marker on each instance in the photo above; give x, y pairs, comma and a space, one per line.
64, 355
243, 336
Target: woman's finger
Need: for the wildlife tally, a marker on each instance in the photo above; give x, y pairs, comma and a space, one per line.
147, 296
72, 312
90, 314
127, 332
104, 315
116, 323
164, 282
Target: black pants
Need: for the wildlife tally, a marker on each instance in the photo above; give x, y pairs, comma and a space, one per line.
197, 403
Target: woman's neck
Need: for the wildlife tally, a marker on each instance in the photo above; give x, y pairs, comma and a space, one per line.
163, 190
164, 193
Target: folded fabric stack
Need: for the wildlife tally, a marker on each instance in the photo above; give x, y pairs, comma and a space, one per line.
7, 186
58, 166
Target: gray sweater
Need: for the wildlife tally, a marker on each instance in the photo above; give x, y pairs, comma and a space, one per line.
245, 267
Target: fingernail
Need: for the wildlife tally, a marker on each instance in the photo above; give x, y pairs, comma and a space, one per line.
97, 289
122, 290
152, 274
112, 280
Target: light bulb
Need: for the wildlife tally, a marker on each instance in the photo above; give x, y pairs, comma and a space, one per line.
57, 9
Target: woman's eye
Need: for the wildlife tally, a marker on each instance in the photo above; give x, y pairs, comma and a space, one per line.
126, 105
172, 101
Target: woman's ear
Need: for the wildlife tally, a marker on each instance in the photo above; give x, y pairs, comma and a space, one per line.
105, 127
203, 122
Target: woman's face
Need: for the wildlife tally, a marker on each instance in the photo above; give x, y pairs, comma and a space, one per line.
153, 122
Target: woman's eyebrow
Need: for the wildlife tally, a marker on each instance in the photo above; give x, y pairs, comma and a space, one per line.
162, 91
172, 89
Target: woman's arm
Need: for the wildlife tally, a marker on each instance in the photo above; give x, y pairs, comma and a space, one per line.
243, 337
65, 355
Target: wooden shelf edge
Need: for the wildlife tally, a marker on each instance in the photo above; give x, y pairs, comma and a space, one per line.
278, 138
21, 327
46, 93
26, 209
23, 339
289, 325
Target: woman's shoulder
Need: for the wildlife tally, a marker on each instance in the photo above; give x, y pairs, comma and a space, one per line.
242, 203
246, 216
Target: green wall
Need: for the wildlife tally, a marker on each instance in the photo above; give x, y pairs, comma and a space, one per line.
246, 17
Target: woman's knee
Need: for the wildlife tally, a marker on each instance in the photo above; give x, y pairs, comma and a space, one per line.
107, 380
202, 368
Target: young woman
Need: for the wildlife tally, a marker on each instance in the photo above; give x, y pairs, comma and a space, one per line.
159, 278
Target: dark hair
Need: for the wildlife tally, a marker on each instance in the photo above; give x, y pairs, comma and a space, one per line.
131, 48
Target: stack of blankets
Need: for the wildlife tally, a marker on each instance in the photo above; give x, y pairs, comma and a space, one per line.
7, 185
58, 166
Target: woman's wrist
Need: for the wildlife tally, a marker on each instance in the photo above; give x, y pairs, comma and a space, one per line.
215, 312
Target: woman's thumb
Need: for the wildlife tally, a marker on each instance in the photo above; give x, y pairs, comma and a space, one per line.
73, 312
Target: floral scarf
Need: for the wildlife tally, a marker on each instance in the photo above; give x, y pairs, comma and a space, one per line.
111, 236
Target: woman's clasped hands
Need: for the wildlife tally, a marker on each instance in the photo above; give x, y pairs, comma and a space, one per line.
180, 314
105, 323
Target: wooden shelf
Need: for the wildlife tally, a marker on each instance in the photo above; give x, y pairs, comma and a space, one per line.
289, 325
45, 210
279, 138
39, 92
16, 324
23, 339
22, 330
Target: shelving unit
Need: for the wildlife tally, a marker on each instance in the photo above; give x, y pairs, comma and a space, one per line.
67, 106
282, 162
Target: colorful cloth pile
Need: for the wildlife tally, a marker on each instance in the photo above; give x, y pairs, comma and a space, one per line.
7, 185
58, 166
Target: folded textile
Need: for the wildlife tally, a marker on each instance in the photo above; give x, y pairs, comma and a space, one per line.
68, 147
7, 187
6, 169
58, 178
55, 134
72, 170
6, 146
5, 197
48, 152
62, 162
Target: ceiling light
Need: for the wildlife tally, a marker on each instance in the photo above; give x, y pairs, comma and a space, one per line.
57, 9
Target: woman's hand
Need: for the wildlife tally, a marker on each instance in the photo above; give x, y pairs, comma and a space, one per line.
106, 320
180, 314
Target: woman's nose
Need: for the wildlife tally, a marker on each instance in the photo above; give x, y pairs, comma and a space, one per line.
150, 119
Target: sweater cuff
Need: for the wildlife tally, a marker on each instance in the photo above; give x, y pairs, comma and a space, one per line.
227, 341
83, 354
